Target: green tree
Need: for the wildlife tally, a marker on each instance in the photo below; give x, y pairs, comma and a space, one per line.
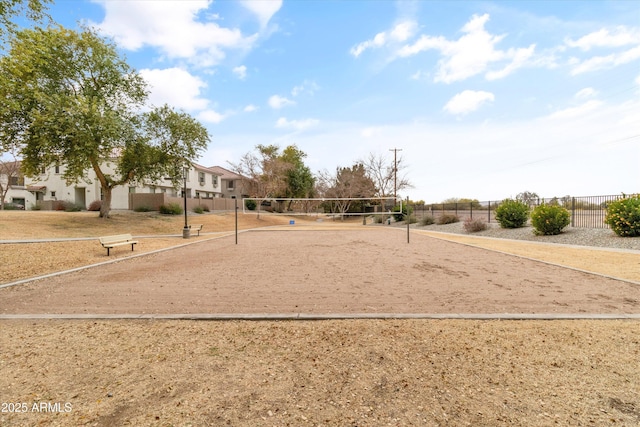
34, 10
300, 181
270, 173
72, 100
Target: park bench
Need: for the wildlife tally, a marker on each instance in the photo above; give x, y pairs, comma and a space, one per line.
196, 227
117, 240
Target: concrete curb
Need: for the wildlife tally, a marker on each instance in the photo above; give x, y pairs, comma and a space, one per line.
328, 316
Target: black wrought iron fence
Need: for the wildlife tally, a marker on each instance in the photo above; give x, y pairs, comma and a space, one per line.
586, 211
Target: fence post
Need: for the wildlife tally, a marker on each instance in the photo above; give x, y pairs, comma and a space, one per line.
573, 211
489, 213
471, 209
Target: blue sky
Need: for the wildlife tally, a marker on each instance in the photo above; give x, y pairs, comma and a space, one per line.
486, 99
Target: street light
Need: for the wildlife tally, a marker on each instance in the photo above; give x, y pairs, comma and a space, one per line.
186, 231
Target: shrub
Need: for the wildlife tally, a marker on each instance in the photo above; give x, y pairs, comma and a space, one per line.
206, 208
474, 225
36, 207
171, 209
96, 205
72, 207
512, 213
198, 209
413, 219
251, 204
623, 216
448, 219
142, 209
401, 215
427, 220
549, 219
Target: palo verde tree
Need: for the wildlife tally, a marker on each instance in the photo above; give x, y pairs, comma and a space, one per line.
72, 100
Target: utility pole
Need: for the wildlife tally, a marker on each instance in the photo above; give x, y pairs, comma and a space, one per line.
395, 171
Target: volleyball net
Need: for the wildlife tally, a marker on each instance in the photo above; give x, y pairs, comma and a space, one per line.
326, 206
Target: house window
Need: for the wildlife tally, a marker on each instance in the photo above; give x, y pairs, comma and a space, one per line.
230, 185
53, 194
16, 181
214, 179
201, 178
57, 169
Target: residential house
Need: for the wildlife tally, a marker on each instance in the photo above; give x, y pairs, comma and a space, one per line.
201, 183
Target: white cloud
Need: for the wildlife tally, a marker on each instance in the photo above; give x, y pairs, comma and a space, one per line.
240, 72
211, 116
575, 112
587, 92
621, 36
307, 87
471, 54
250, 108
283, 123
398, 34
603, 62
468, 101
263, 9
176, 87
277, 102
173, 27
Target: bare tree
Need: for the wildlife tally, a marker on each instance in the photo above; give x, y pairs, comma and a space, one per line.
384, 174
9, 176
346, 183
264, 172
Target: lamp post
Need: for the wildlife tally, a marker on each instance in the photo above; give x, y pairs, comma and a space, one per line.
186, 231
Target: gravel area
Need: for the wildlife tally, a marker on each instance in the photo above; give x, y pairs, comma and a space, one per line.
598, 237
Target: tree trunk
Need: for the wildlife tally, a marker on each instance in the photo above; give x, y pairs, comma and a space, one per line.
105, 208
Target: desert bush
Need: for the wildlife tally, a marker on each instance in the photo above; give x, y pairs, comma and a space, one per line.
72, 207
512, 213
198, 209
36, 207
142, 209
623, 216
549, 219
251, 204
448, 219
171, 209
206, 208
474, 225
94, 206
412, 219
427, 220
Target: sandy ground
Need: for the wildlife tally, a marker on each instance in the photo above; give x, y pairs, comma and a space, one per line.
370, 270
330, 372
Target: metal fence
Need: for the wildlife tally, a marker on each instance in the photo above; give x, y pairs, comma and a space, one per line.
586, 212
